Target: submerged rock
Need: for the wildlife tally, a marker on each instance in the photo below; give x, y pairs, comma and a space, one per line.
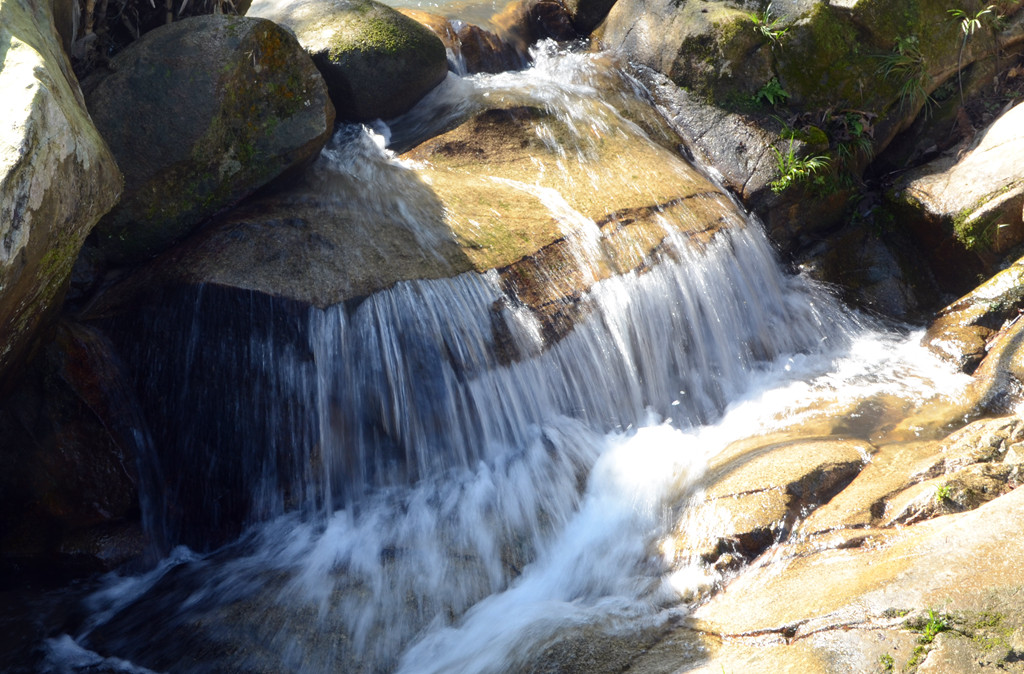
201, 138
57, 178
377, 63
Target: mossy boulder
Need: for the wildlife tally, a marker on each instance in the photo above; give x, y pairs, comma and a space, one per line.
201, 113
824, 55
711, 48
377, 62
973, 199
57, 177
841, 79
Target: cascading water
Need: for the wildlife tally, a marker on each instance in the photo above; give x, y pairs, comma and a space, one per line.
466, 502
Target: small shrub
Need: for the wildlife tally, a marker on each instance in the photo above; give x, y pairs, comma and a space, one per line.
906, 66
771, 93
794, 169
768, 25
944, 493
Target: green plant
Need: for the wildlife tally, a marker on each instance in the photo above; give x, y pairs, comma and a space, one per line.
794, 169
887, 662
771, 93
768, 25
906, 66
968, 24
944, 493
929, 629
936, 625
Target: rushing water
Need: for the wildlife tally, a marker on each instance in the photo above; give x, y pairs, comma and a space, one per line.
463, 512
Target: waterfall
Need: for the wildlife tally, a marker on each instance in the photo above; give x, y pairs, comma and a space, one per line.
434, 487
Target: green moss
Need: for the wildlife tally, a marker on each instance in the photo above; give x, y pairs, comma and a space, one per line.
377, 30
974, 233
722, 38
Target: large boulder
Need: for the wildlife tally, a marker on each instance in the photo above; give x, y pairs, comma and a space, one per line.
194, 139
57, 176
971, 201
377, 62
72, 439
499, 205
470, 199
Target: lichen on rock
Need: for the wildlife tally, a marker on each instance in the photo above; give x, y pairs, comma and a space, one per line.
377, 62
201, 138
57, 177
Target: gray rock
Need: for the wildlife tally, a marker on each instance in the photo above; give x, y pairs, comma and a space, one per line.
57, 176
194, 139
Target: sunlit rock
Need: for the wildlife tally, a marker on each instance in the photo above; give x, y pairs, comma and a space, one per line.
975, 197
472, 49
57, 177
524, 22
758, 489
512, 189
377, 63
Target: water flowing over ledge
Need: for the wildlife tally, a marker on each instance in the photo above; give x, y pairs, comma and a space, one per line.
432, 485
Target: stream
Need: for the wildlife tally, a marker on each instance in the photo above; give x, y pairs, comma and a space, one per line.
465, 512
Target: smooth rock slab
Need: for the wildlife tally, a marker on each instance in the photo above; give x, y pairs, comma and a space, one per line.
952, 562
979, 195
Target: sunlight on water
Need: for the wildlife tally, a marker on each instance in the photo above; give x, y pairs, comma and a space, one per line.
474, 503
